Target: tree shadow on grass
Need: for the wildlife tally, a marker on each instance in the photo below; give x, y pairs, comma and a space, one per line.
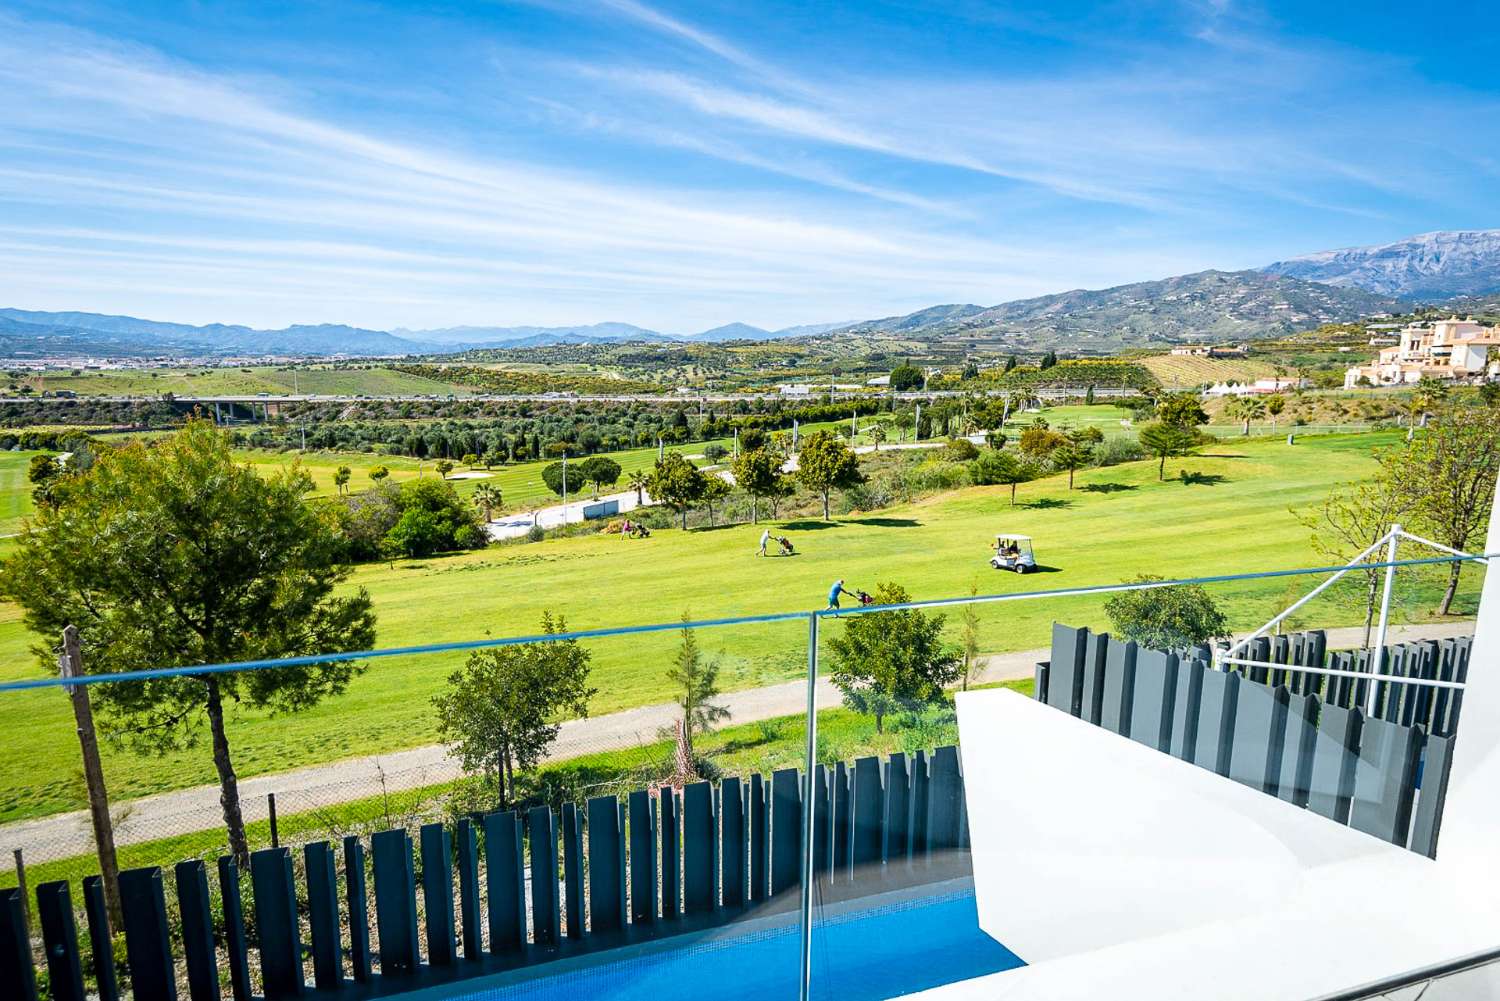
1046, 504
808, 525
1200, 479
1108, 488
887, 522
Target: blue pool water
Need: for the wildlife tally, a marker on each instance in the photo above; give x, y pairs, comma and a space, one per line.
865, 955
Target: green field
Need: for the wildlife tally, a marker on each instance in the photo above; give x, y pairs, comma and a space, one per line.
1120, 522
323, 381
15, 490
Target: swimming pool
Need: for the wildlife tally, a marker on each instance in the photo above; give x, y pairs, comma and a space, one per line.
864, 954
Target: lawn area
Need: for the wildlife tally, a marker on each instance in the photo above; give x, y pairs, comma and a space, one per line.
1119, 523
15, 490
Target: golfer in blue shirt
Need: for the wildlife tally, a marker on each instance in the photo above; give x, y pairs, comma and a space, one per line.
834, 592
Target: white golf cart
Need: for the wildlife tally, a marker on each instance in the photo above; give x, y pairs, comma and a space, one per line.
1013, 552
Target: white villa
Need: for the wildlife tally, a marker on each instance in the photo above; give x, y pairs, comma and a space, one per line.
1447, 349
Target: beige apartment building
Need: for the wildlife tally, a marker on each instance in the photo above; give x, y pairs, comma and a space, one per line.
1446, 349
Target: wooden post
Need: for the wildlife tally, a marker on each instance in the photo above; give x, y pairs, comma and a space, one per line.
71, 665
21, 885
271, 810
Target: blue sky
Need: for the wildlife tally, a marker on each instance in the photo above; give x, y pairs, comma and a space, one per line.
681, 165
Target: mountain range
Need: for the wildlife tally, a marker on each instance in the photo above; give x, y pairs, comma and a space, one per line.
1461, 266
1430, 266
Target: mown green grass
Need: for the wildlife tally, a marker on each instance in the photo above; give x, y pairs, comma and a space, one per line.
1119, 523
15, 490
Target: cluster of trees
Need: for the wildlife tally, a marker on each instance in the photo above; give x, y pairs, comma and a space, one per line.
413, 519
497, 380
594, 472
1072, 372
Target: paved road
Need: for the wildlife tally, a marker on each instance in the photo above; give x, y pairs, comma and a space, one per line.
196, 809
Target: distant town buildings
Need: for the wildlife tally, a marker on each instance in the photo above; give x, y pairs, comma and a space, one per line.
1212, 350
1446, 349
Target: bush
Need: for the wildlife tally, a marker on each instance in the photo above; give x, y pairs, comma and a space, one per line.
937, 474
1118, 449
536, 533
960, 450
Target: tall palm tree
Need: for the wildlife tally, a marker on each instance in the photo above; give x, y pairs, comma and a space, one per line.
487, 497
637, 482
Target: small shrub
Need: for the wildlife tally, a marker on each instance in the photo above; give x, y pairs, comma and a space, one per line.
536, 533
960, 450
1118, 449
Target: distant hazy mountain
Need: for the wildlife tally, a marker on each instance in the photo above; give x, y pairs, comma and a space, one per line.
731, 332
808, 329
1209, 305
497, 336
33, 333
1433, 266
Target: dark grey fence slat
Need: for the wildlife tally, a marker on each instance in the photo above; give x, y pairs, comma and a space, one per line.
236, 946
606, 865
1427, 667
1336, 750
17, 975
1281, 653
1259, 649
276, 923
786, 829
1430, 799
468, 885
732, 855
1360, 697
1297, 655
572, 843
894, 826
1462, 648
839, 796
1215, 717
505, 881
1119, 686
323, 914
545, 908
148, 949
359, 910
1385, 780
945, 801
1298, 748
1259, 731
1095, 651
395, 902
1153, 702
698, 848
642, 858
1042, 673
920, 789
671, 854
1340, 688
60, 940
868, 810
1187, 706
760, 838
1065, 675
197, 921
437, 893
1446, 668
1314, 654
101, 943
822, 838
